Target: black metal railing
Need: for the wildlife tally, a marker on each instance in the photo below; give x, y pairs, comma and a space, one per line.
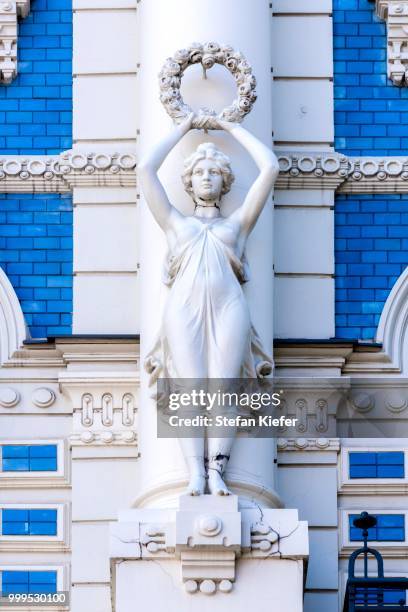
372, 594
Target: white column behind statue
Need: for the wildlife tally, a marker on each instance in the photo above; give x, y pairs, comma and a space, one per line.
164, 27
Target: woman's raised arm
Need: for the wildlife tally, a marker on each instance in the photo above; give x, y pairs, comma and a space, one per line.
247, 214
148, 168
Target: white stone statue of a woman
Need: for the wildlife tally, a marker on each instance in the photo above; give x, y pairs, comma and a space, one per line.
206, 330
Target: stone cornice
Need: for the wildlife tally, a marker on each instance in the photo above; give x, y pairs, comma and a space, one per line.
311, 170
304, 170
62, 173
376, 174
395, 13
298, 170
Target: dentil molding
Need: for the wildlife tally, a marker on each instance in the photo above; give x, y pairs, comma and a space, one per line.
395, 14
10, 12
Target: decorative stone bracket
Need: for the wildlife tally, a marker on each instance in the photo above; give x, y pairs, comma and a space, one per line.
207, 534
395, 13
104, 407
10, 11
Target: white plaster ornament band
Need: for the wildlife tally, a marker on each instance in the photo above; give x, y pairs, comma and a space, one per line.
207, 54
61, 173
342, 174
314, 170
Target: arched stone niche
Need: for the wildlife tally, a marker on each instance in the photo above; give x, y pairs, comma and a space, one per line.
13, 329
392, 330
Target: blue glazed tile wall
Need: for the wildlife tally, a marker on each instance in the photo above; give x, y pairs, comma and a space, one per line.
371, 253
36, 254
371, 115
36, 108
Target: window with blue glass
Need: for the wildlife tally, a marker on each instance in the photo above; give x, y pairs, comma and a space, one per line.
28, 522
29, 458
369, 597
376, 464
389, 528
28, 582
394, 597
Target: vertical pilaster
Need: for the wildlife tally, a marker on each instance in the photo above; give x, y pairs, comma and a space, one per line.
105, 219
303, 123
101, 385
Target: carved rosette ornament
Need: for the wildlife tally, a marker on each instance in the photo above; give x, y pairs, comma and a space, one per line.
207, 54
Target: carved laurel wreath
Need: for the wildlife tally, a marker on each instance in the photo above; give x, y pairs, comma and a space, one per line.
207, 55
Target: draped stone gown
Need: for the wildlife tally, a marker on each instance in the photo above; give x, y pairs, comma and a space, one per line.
206, 330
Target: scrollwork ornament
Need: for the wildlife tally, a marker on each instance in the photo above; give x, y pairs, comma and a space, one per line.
207, 54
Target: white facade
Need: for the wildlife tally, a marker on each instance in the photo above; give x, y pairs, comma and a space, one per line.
87, 394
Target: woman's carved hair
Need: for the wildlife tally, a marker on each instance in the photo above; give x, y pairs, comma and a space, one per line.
208, 150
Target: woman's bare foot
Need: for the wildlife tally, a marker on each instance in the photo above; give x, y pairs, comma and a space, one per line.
196, 486
216, 484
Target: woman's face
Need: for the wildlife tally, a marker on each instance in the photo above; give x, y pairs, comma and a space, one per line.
206, 180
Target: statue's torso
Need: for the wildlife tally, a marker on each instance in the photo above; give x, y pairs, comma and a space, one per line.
206, 253
206, 329
184, 229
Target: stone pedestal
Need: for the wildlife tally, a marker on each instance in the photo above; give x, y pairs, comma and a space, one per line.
179, 558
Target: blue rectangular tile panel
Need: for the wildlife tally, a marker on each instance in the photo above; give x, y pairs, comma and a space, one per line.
33, 458
371, 252
36, 108
29, 522
389, 528
14, 581
36, 255
370, 111
381, 464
